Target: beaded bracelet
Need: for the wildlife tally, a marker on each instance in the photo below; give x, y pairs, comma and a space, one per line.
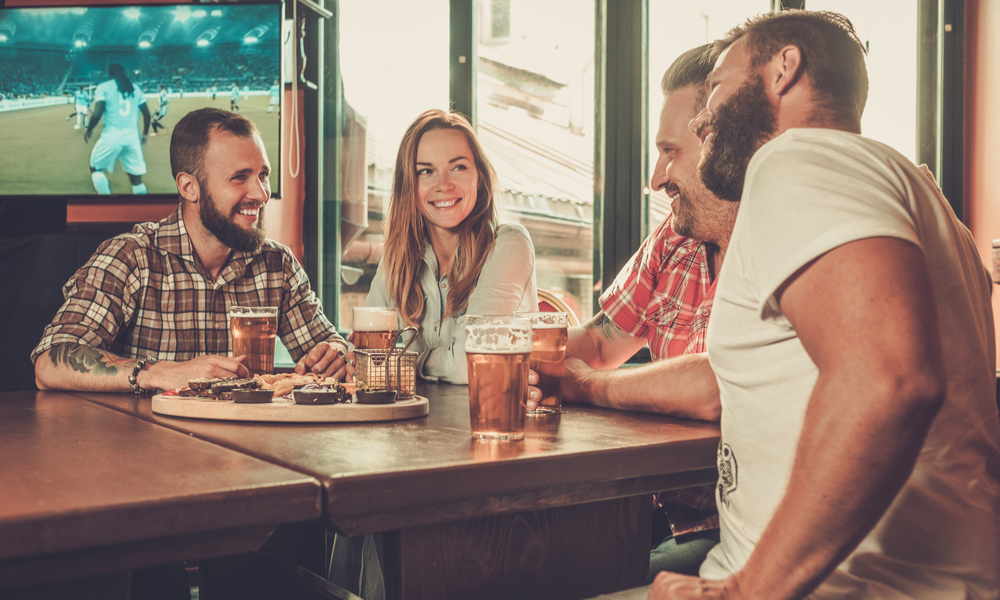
133, 382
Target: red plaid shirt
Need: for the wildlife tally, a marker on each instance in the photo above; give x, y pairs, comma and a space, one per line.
664, 294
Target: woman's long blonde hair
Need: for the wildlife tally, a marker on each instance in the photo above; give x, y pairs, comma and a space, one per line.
406, 233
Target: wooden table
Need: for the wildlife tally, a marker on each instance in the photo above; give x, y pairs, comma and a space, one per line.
86, 491
565, 513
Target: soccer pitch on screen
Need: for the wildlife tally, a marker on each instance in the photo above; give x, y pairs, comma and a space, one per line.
188, 56
42, 153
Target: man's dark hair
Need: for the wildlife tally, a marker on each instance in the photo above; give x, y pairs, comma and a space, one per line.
833, 56
117, 72
689, 68
190, 137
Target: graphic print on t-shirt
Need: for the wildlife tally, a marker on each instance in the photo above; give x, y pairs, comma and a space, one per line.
726, 460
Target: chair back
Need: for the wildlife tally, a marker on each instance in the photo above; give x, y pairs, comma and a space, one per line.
550, 302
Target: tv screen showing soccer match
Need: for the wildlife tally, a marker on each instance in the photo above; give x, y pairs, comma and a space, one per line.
77, 84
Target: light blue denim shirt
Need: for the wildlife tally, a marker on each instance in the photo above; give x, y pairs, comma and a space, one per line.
506, 284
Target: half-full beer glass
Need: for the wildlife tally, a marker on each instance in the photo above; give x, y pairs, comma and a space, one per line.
253, 329
375, 328
497, 350
548, 349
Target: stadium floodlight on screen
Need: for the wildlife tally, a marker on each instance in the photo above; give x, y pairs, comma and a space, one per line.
62, 66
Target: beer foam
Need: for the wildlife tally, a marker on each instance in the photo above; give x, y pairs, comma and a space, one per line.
495, 336
546, 320
369, 318
253, 312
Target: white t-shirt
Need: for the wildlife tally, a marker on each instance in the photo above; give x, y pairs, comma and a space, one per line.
807, 192
506, 284
121, 113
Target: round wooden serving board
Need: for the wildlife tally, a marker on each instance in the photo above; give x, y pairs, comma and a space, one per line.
285, 411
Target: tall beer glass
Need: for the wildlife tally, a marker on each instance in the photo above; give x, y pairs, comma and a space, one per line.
497, 351
374, 327
253, 329
548, 349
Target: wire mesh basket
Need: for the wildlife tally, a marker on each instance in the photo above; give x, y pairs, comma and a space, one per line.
393, 369
387, 370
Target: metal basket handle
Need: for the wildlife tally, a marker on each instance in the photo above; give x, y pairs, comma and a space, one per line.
399, 361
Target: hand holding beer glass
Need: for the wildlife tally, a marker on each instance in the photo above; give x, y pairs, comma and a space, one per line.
253, 329
497, 350
374, 327
548, 349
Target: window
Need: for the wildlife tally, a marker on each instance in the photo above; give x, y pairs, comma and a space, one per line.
535, 110
394, 66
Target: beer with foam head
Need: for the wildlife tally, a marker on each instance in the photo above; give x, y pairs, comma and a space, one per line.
497, 352
548, 349
253, 330
375, 328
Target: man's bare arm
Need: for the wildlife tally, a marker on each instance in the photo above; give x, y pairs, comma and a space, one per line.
85, 368
684, 386
865, 314
601, 344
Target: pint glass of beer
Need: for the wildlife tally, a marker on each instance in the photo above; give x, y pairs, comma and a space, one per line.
497, 350
549, 334
253, 329
375, 328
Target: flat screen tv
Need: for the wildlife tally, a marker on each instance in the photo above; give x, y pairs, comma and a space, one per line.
54, 65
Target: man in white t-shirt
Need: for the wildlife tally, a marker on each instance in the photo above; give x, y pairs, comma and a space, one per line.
120, 102
852, 339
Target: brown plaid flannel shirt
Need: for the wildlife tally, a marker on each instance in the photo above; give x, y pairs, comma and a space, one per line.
664, 293
143, 294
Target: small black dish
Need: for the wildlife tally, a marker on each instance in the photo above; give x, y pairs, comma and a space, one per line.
376, 396
318, 397
252, 396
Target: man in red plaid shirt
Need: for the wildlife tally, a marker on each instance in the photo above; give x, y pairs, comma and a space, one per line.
663, 298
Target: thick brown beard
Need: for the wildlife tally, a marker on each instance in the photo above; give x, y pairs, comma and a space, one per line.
229, 233
740, 127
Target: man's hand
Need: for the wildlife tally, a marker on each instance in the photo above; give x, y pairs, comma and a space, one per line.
327, 360
86, 136
169, 375
577, 384
672, 586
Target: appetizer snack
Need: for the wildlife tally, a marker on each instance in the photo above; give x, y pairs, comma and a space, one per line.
220, 389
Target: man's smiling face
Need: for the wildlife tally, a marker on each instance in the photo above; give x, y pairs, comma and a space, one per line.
235, 188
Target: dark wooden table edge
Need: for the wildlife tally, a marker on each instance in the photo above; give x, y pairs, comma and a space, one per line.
395, 518
46, 568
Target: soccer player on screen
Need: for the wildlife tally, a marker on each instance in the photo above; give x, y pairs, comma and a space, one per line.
81, 101
275, 92
234, 99
121, 101
161, 110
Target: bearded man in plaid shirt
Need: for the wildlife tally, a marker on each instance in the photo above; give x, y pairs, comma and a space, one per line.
663, 298
149, 310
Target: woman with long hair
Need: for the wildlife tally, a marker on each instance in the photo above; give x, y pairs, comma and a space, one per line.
445, 254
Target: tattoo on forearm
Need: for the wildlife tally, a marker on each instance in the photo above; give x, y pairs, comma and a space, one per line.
86, 359
606, 327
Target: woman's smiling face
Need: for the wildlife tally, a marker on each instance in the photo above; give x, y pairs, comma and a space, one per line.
447, 180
